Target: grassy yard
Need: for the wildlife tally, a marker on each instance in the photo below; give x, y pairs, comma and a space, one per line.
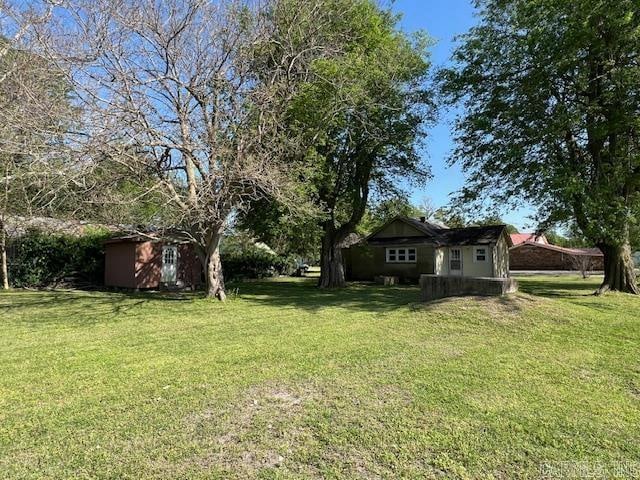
284, 381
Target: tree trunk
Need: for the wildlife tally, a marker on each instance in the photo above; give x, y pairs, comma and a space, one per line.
331, 267
4, 270
618, 270
213, 269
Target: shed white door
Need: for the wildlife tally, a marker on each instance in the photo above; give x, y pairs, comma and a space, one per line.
169, 264
455, 261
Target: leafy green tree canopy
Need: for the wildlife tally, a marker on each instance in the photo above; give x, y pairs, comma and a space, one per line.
362, 116
550, 96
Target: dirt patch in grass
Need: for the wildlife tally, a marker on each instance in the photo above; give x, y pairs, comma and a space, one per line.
634, 389
294, 430
256, 431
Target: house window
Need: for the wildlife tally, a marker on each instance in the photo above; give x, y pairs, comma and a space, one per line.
455, 259
480, 254
401, 255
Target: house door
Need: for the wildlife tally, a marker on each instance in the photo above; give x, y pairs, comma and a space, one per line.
455, 261
169, 265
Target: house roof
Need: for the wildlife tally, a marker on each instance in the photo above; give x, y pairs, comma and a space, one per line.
595, 252
17, 226
426, 227
518, 238
438, 236
472, 235
399, 241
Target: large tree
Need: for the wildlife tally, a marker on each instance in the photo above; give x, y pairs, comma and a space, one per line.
186, 97
362, 116
35, 113
287, 231
550, 97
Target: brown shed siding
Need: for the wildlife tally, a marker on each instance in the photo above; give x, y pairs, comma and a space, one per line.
138, 264
535, 257
148, 264
119, 268
189, 266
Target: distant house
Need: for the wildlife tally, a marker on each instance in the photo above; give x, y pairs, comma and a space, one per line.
518, 238
17, 226
407, 247
144, 262
530, 255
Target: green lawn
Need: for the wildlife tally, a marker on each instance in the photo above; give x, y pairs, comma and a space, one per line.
284, 381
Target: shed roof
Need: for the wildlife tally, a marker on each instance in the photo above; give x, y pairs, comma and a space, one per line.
148, 237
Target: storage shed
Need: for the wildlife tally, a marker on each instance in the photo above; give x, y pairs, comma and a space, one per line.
142, 262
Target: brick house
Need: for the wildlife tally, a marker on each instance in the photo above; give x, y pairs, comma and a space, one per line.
536, 255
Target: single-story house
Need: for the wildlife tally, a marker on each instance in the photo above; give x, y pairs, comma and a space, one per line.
145, 262
407, 248
544, 256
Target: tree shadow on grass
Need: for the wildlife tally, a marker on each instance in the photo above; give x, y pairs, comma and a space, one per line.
600, 307
304, 294
556, 288
74, 307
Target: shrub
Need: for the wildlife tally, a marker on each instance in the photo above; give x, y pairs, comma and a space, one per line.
255, 263
42, 259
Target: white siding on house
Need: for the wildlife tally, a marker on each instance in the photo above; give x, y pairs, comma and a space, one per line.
473, 268
496, 262
441, 261
501, 258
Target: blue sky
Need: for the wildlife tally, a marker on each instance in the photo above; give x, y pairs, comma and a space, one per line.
443, 20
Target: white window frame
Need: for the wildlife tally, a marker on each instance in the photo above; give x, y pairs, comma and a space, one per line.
475, 254
393, 254
169, 270
459, 259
